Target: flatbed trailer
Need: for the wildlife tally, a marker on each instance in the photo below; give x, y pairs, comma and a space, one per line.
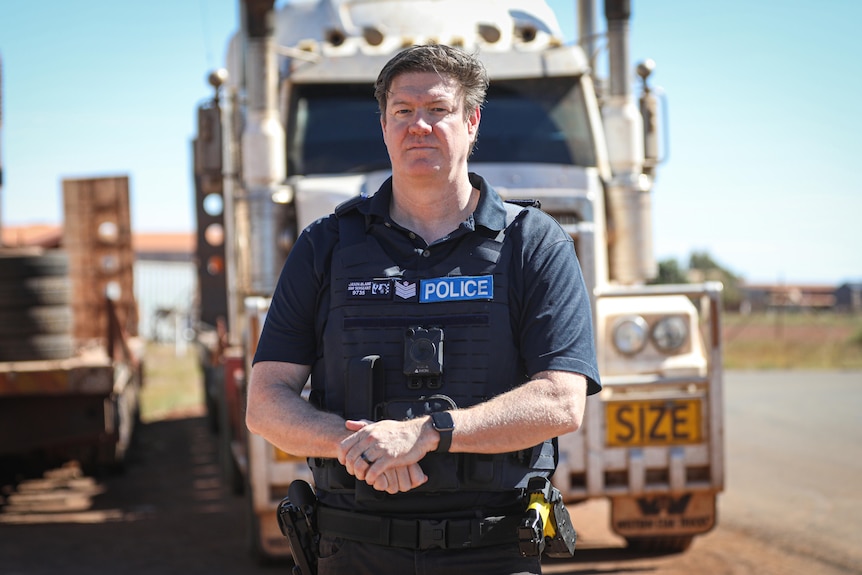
71, 366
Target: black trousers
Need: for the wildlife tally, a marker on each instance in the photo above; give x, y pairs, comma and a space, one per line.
342, 556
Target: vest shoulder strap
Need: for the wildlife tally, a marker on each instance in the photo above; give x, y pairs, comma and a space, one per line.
515, 208
524, 202
348, 205
351, 222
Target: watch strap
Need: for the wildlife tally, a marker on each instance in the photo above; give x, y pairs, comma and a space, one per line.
443, 423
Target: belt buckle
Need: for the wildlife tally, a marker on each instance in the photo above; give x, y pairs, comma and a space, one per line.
432, 533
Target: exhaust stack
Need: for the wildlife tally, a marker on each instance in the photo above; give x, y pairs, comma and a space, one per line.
263, 151
629, 202
587, 29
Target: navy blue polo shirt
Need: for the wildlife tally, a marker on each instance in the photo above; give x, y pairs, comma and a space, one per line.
548, 303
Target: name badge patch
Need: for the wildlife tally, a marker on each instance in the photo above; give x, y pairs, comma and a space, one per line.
456, 289
370, 289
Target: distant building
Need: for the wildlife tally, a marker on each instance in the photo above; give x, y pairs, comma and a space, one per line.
41, 235
848, 297
766, 297
165, 285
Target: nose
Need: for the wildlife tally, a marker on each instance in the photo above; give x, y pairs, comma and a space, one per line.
419, 125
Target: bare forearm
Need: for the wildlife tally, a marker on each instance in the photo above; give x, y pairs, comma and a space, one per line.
277, 412
550, 405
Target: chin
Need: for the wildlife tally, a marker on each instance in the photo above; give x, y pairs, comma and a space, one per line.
419, 170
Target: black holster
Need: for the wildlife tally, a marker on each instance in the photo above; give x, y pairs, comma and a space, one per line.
297, 519
533, 538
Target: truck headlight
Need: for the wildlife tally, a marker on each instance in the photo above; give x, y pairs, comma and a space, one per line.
670, 333
630, 334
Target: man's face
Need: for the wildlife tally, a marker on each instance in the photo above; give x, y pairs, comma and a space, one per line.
424, 127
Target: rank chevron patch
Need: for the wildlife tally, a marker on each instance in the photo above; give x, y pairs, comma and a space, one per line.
405, 290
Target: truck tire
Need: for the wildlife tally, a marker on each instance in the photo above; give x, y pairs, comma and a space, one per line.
36, 347
660, 544
55, 319
26, 263
35, 316
37, 291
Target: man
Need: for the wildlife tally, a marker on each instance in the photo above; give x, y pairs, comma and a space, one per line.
449, 340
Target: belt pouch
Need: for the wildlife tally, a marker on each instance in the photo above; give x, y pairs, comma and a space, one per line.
331, 476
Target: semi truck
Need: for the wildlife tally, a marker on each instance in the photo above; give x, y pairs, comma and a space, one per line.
292, 130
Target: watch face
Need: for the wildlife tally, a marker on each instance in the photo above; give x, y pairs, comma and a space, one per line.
442, 421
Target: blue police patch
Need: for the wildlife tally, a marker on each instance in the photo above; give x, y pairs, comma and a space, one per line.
457, 288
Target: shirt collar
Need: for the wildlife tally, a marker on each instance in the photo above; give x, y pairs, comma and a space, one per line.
490, 212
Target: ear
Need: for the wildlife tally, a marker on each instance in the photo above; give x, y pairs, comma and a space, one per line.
473, 123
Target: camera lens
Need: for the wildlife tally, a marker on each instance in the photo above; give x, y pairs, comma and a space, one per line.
422, 351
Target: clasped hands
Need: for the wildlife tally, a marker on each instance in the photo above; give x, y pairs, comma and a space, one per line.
385, 454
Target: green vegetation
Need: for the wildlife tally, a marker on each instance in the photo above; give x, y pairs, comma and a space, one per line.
701, 267
792, 341
173, 386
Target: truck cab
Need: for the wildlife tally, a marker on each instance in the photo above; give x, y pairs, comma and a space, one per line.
293, 130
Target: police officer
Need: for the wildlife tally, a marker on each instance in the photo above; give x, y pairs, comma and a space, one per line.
449, 340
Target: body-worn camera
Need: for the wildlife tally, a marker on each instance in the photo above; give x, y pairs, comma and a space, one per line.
423, 357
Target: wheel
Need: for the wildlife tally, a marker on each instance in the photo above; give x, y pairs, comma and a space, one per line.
213, 380
231, 471
660, 544
254, 545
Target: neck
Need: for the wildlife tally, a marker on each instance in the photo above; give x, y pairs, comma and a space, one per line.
432, 209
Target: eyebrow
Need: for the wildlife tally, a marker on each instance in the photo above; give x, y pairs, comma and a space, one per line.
403, 100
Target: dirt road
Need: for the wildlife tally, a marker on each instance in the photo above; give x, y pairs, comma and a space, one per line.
793, 504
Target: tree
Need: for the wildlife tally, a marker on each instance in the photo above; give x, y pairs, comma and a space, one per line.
712, 271
702, 267
669, 272
704, 262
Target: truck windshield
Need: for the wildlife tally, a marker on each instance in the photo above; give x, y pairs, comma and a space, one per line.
335, 128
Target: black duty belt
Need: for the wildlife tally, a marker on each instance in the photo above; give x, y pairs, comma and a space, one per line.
418, 533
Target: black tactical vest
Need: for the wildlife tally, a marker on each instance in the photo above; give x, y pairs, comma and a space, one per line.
398, 345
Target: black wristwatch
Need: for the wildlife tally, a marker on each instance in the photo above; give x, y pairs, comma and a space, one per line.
442, 422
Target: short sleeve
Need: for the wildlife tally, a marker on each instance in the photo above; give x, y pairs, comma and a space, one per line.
289, 331
554, 316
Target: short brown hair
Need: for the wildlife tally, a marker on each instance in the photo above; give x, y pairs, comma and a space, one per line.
465, 68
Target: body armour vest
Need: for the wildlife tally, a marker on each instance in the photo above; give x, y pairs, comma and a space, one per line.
398, 345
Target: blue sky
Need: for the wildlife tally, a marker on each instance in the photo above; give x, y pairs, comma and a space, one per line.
762, 95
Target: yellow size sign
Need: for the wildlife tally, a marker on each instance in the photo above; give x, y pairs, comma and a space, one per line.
654, 422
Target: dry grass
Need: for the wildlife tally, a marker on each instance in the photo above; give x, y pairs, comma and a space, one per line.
173, 385
793, 341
